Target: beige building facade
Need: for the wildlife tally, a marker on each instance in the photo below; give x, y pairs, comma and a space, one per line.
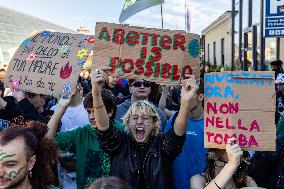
217, 41
282, 49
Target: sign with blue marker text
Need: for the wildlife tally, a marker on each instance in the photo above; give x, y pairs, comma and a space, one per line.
240, 104
274, 18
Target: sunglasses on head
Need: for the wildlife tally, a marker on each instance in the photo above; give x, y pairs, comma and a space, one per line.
140, 83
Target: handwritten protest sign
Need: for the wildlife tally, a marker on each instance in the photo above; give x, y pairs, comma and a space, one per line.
240, 104
49, 63
161, 56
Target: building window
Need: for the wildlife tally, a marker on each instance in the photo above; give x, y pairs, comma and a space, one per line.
214, 53
270, 50
208, 52
222, 52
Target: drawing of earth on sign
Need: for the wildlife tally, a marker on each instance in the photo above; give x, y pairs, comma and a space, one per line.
194, 48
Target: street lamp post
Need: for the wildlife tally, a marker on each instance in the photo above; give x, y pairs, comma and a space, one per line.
241, 33
233, 36
262, 39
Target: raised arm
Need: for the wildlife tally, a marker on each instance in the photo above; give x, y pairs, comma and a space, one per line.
99, 78
163, 101
234, 153
189, 88
55, 119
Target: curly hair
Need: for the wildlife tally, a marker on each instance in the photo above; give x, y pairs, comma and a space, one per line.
147, 108
240, 176
37, 144
109, 101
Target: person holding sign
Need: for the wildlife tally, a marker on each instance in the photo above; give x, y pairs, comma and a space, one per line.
225, 169
186, 164
91, 161
142, 156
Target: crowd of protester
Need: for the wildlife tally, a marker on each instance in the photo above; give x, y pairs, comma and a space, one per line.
118, 133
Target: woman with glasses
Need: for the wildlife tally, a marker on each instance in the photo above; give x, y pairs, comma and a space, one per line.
142, 156
226, 169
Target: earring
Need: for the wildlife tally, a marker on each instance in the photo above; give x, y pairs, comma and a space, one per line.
30, 174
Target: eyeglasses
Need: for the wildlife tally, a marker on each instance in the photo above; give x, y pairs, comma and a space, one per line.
145, 119
140, 83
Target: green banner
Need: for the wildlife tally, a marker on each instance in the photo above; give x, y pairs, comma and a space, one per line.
132, 7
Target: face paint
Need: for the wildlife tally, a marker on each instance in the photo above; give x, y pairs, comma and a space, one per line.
12, 177
18, 179
4, 155
14, 174
14, 165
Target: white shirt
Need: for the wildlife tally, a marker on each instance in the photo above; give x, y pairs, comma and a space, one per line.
73, 117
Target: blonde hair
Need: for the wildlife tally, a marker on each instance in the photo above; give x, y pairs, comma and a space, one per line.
148, 109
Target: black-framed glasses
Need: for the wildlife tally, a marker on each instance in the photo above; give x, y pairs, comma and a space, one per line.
140, 83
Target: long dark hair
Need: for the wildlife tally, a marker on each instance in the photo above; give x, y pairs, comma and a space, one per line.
36, 144
240, 176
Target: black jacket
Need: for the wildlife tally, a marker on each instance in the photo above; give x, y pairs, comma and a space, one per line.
30, 113
151, 169
11, 110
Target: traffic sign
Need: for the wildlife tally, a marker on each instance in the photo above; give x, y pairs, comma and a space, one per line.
274, 18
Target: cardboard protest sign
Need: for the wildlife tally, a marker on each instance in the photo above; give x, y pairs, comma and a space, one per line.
240, 104
161, 56
49, 63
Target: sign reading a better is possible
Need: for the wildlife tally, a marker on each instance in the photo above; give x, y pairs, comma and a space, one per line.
274, 18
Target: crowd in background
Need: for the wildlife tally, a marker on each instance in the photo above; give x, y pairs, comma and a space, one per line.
119, 133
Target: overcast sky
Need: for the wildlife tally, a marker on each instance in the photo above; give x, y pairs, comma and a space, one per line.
75, 13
